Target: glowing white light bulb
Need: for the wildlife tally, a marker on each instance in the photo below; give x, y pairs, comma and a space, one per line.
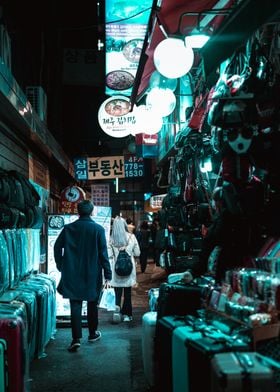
172, 58
161, 101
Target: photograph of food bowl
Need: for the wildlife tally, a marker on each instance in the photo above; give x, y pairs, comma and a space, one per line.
119, 80
117, 107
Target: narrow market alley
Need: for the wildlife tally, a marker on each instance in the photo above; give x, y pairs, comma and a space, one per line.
114, 363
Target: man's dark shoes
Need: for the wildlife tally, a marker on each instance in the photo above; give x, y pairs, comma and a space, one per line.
93, 338
74, 346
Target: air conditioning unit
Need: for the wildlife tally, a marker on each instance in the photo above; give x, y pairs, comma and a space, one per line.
38, 99
5, 47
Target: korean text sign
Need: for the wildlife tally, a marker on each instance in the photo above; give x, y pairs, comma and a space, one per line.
100, 168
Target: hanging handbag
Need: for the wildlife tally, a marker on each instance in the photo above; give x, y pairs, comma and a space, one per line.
171, 240
198, 115
167, 260
161, 260
232, 102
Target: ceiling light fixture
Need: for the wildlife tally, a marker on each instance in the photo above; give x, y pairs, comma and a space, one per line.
172, 51
196, 40
197, 37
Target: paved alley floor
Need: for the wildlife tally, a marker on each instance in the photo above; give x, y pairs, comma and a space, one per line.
114, 363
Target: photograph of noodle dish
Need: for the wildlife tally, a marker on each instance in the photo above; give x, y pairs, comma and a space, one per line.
117, 107
119, 80
132, 50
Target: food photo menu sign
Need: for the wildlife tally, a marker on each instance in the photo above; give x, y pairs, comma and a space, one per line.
126, 25
56, 222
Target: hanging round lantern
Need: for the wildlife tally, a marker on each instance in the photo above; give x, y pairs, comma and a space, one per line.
161, 101
148, 121
172, 58
158, 80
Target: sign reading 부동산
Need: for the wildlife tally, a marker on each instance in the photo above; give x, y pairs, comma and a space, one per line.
100, 168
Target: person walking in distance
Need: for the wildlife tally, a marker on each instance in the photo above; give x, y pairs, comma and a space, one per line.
81, 256
121, 239
143, 238
130, 225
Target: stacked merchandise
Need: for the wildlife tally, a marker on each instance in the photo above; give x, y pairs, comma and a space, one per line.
203, 326
172, 297
237, 371
27, 297
179, 242
27, 323
148, 335
184, 344
148, 352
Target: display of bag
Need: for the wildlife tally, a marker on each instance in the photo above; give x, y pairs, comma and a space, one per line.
9, 217
231, 112
198, 115
181, 298
174, 207
167, 260
242, 372
213, 260
232, 103
4, 186
123, 265
148, 350
171, 240
19, 201
31, 196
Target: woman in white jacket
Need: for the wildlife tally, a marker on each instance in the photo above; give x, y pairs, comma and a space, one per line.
122, 239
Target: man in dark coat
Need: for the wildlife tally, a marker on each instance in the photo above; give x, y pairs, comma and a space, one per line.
80, 253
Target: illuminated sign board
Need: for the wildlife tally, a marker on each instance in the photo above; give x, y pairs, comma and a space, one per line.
102, 168
133, 166
126, 24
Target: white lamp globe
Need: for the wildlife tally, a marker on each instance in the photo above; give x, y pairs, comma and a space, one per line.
148, 121
161, 101
158, 80
172, 58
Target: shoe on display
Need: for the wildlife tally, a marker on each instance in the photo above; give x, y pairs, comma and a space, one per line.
74, 346
96, 336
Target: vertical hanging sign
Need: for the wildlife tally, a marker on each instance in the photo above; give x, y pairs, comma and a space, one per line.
126, 24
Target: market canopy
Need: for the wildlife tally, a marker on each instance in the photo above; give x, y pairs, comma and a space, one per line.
229, 23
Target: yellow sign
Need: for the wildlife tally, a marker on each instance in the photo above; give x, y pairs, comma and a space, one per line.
100, 168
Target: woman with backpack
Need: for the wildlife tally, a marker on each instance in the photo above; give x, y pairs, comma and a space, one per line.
121, 239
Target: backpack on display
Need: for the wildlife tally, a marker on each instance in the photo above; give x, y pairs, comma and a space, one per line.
9, 217
31, 196
19, 201
123, 266
4, 186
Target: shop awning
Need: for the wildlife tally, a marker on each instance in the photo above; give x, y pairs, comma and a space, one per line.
229, 25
